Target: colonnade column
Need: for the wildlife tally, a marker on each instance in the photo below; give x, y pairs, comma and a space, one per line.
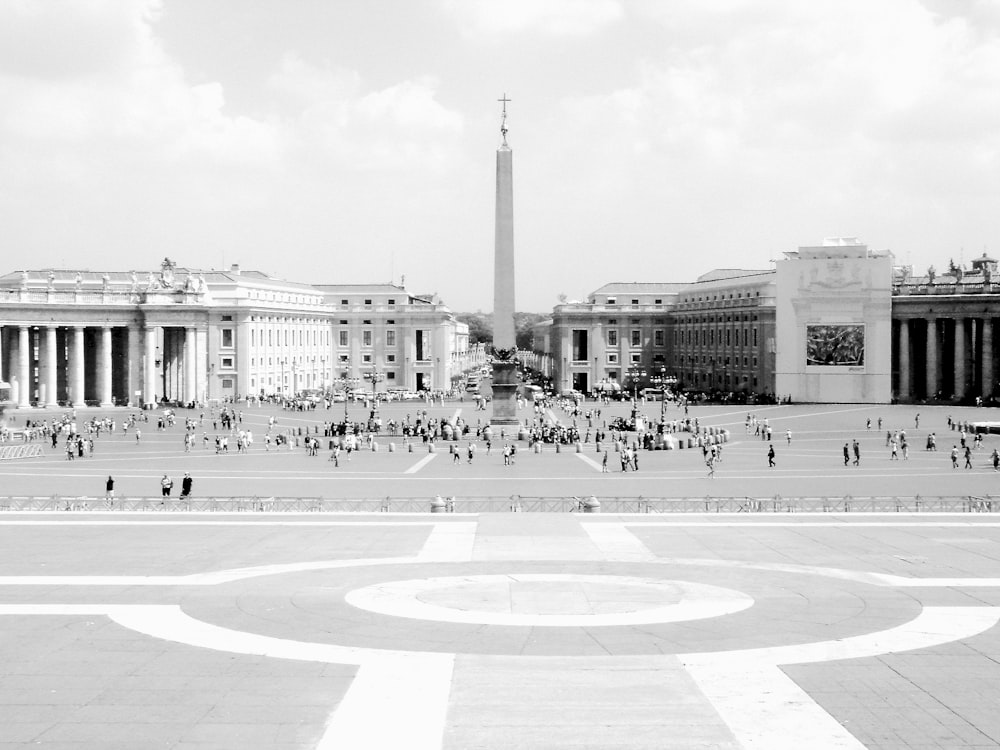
960, 376
987, 370
105, 366
51, 368
190, 362
149, 378
933, 378
76, 367
904, 360
135, 370
23, 367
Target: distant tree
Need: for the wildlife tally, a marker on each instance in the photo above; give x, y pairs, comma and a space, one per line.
481, 327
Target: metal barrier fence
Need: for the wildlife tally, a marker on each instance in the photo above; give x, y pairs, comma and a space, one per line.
8, 452
515, 503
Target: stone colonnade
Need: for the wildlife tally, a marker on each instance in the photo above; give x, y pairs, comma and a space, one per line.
944, 356
106, 364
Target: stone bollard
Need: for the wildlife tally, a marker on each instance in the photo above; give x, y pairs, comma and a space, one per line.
579, 447
538, 447
598, 444
392, 447
409, 447
558, 447
438, 505
431, 448
374, 447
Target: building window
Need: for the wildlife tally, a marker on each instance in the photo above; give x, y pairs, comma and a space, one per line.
636, 337
755, 337
344, 302
227, 383
658, 337
612, 321
612, 337
344, 358
580, 350
366, 338
366, 358
227, 362
227, 337
657, 301
612, 300
368, 301
612, 358
390, 357
390, 338
391, 301
636, 359
635, 302
342, 338
390, 376
227, 318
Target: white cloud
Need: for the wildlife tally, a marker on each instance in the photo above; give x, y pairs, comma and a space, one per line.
553, 17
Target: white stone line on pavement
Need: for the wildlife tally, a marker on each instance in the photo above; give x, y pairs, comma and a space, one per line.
393, 703
211, 578
261, 523
449, 542
408, 690
495, 599
420, 464
832, 523
617, 542
764, 708
589, 461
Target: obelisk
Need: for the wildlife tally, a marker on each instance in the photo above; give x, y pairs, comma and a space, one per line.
505, 372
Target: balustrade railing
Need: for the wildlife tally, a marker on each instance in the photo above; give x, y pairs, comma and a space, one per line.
834, 505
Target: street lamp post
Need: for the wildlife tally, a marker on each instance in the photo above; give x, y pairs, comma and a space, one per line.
374, 377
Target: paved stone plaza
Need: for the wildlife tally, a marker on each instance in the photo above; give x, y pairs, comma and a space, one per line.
513, 630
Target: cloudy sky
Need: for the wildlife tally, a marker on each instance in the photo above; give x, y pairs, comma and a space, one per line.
353, 142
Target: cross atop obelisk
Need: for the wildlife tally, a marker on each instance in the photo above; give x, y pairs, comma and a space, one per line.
504, 341
503, 118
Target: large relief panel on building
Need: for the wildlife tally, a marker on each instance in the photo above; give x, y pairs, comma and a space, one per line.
835, 345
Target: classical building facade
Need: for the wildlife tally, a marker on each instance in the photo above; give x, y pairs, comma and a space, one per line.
716, 333
835, 322
184, 335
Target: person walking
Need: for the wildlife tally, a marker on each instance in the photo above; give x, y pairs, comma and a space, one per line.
770, 456
996, 459
954, 456
788, 436
857, 453
968, 457
186, 484
604, 463
847, 454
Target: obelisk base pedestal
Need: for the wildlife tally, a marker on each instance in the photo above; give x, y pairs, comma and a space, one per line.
504, 394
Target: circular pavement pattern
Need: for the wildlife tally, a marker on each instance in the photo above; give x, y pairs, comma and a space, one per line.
549, 600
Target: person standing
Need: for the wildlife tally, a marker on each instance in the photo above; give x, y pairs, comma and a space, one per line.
604, 463
954, 456
186, 484
996, 459
968, 457
770, 455
109, 487
166, 484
